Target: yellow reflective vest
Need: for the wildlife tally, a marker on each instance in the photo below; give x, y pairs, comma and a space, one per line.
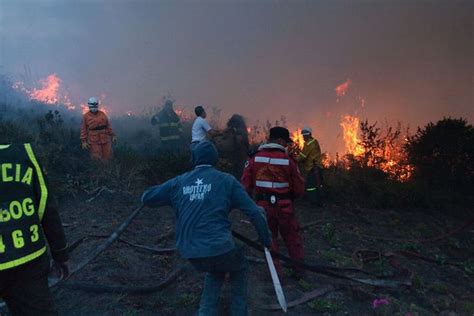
310, 156
22, 205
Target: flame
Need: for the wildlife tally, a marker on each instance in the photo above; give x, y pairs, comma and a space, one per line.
327, 161
389, 157
50, 92
84, 108
183, 115
350, 129
393, 165
297, 138
343, 88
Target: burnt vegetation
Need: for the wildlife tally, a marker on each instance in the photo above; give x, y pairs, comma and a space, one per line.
371, 220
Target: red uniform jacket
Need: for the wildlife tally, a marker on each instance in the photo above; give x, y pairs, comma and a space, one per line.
272, 171
96, 129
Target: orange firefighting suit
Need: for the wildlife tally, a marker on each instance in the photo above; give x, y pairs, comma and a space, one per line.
276, 180
97, 132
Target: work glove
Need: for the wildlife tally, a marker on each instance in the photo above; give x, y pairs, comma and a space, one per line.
85, 145
114, 139
60, 270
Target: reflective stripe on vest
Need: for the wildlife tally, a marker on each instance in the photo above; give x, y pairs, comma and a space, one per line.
271, 185
39, 173
169, 124
272, 161
167, 138
20, 261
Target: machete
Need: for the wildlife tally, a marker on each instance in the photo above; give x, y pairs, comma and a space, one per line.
276, 281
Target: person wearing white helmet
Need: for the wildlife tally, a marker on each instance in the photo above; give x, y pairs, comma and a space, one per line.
96, 132
310, 160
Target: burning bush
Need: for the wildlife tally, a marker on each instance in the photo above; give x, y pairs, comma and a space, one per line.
374, 148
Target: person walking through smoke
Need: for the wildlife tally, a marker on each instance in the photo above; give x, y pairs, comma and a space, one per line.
170, 127
203, 199
96, 132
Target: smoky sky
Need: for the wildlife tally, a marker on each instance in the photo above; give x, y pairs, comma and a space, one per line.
410, 61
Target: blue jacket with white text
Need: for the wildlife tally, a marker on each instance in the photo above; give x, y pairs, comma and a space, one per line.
203, 199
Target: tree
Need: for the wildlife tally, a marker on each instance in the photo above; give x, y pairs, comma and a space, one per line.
443, 153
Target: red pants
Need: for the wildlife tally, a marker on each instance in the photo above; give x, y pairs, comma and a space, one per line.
281, 219
101, 151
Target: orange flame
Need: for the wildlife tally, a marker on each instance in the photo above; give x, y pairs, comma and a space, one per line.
183, 115
49, 93
327, 161
342, 88
84, 108
297, 138
350, 128
390, 157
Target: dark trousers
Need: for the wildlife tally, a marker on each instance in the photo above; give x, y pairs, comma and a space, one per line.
25, 288
314, 181
232, 262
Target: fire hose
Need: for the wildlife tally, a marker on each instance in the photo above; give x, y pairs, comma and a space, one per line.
324, 270
172, 276
320, 269
120, 229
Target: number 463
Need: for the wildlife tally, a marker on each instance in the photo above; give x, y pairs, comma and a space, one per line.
18, 238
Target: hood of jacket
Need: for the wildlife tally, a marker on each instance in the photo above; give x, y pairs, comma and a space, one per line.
204, 153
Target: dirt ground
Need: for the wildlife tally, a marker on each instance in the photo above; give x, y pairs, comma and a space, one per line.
379, 241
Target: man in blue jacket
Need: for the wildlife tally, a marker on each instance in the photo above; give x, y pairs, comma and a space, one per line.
203, 199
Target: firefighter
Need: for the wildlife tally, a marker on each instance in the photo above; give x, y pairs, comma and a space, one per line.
273, 176
28, 218
96, 132
203, 199
170, 127
311, 163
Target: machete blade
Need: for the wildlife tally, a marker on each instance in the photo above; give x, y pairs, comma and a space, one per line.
276, 281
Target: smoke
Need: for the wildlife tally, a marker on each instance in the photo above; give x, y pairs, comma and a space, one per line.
260, 59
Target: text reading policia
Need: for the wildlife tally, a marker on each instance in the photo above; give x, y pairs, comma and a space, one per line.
17, 209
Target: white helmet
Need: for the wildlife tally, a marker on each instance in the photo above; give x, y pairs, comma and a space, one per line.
306, 130
93, 102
